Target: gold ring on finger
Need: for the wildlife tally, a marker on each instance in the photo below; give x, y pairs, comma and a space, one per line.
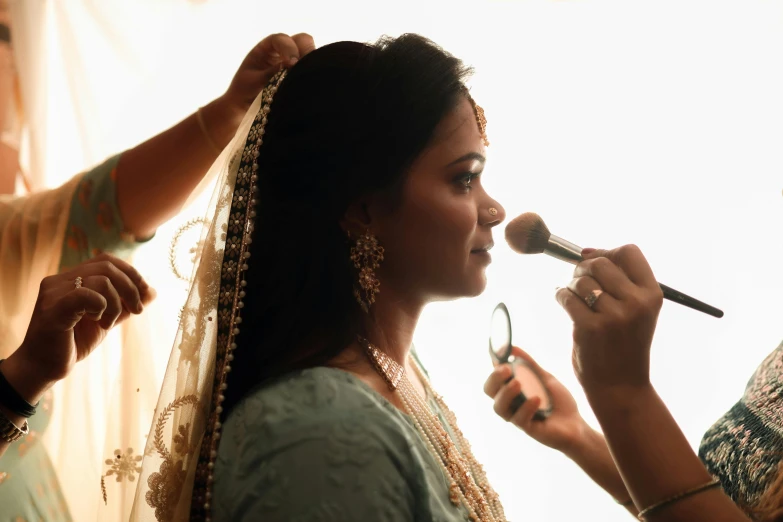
78, 282
592, 297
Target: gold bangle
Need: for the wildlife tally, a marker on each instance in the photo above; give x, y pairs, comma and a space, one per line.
676, 498
205, 132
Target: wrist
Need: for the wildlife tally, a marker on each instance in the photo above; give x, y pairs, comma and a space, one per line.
26, 376
619, 400
584, 446
229, 113
219, 121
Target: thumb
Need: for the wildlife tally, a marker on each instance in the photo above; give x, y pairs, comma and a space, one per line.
76, 304
519, 352
274, 50
148, 294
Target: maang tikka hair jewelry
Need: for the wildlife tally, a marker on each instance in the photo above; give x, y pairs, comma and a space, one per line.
481, 119
367, 255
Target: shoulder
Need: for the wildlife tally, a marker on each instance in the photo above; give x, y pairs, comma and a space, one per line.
320, 431
320, 403
732, 447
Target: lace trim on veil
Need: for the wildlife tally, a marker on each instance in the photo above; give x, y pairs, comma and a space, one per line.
176, 476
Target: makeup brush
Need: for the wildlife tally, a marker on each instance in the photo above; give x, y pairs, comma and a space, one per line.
528, 234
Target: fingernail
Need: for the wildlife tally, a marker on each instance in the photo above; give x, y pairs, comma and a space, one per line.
587, 251
292, 60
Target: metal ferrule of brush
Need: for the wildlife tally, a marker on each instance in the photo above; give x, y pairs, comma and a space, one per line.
564, 250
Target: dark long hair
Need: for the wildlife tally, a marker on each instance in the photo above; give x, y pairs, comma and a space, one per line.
348, 120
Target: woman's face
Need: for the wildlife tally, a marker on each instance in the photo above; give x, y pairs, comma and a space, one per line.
437, 238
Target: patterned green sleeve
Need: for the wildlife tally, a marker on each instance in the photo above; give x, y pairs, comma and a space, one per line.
94, 223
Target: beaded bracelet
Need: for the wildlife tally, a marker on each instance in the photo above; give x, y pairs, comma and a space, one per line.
676, 498
10, 432
11, 399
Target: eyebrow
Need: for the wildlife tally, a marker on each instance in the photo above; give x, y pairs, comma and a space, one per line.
475, 156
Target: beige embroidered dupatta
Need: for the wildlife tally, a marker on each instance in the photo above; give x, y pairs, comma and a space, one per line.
32, 229
175, 479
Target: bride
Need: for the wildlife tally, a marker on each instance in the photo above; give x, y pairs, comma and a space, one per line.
350, 198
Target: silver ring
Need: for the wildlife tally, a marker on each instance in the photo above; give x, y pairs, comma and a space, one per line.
78, 282
592, 297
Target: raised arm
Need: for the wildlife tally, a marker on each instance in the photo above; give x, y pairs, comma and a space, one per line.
155, 178
613, 333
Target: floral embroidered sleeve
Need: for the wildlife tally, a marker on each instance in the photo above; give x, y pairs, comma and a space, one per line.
94, 224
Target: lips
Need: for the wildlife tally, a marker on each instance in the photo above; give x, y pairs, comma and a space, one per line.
485, 248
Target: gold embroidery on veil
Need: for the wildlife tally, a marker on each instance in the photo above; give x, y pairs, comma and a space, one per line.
229, 293
123, 465
174, 247
179, 456
166, 484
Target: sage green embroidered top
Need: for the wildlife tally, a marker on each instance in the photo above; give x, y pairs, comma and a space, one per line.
319, 445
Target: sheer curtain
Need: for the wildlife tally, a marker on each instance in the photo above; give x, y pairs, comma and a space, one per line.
653, 123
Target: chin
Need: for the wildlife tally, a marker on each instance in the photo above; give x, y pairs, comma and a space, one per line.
477, 285
471, 289
470, 283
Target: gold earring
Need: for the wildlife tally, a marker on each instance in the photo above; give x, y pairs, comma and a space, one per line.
367, 256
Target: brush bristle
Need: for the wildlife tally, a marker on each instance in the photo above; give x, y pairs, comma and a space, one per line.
527, 234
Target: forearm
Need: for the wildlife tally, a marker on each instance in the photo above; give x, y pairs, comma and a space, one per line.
9, 164
25, 381
655, 459
594, 458
155, 178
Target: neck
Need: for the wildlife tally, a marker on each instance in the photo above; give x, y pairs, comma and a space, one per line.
389, 327
392, 323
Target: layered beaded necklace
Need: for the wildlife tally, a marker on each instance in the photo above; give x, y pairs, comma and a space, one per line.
468, 483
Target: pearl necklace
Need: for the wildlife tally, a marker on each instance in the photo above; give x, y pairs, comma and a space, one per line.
468, 484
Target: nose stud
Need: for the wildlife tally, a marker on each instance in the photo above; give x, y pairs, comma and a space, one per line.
493, 211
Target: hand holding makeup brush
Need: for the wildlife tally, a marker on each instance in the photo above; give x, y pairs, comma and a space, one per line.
528, 234
614, 301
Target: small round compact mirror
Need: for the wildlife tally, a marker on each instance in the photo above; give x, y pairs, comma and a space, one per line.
500, 333
501, 352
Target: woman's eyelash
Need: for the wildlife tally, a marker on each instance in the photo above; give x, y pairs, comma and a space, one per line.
466, 179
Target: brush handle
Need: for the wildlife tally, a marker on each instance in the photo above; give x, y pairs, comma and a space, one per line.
678, 297
563, 250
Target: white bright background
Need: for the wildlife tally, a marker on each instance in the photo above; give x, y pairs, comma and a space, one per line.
658, 123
